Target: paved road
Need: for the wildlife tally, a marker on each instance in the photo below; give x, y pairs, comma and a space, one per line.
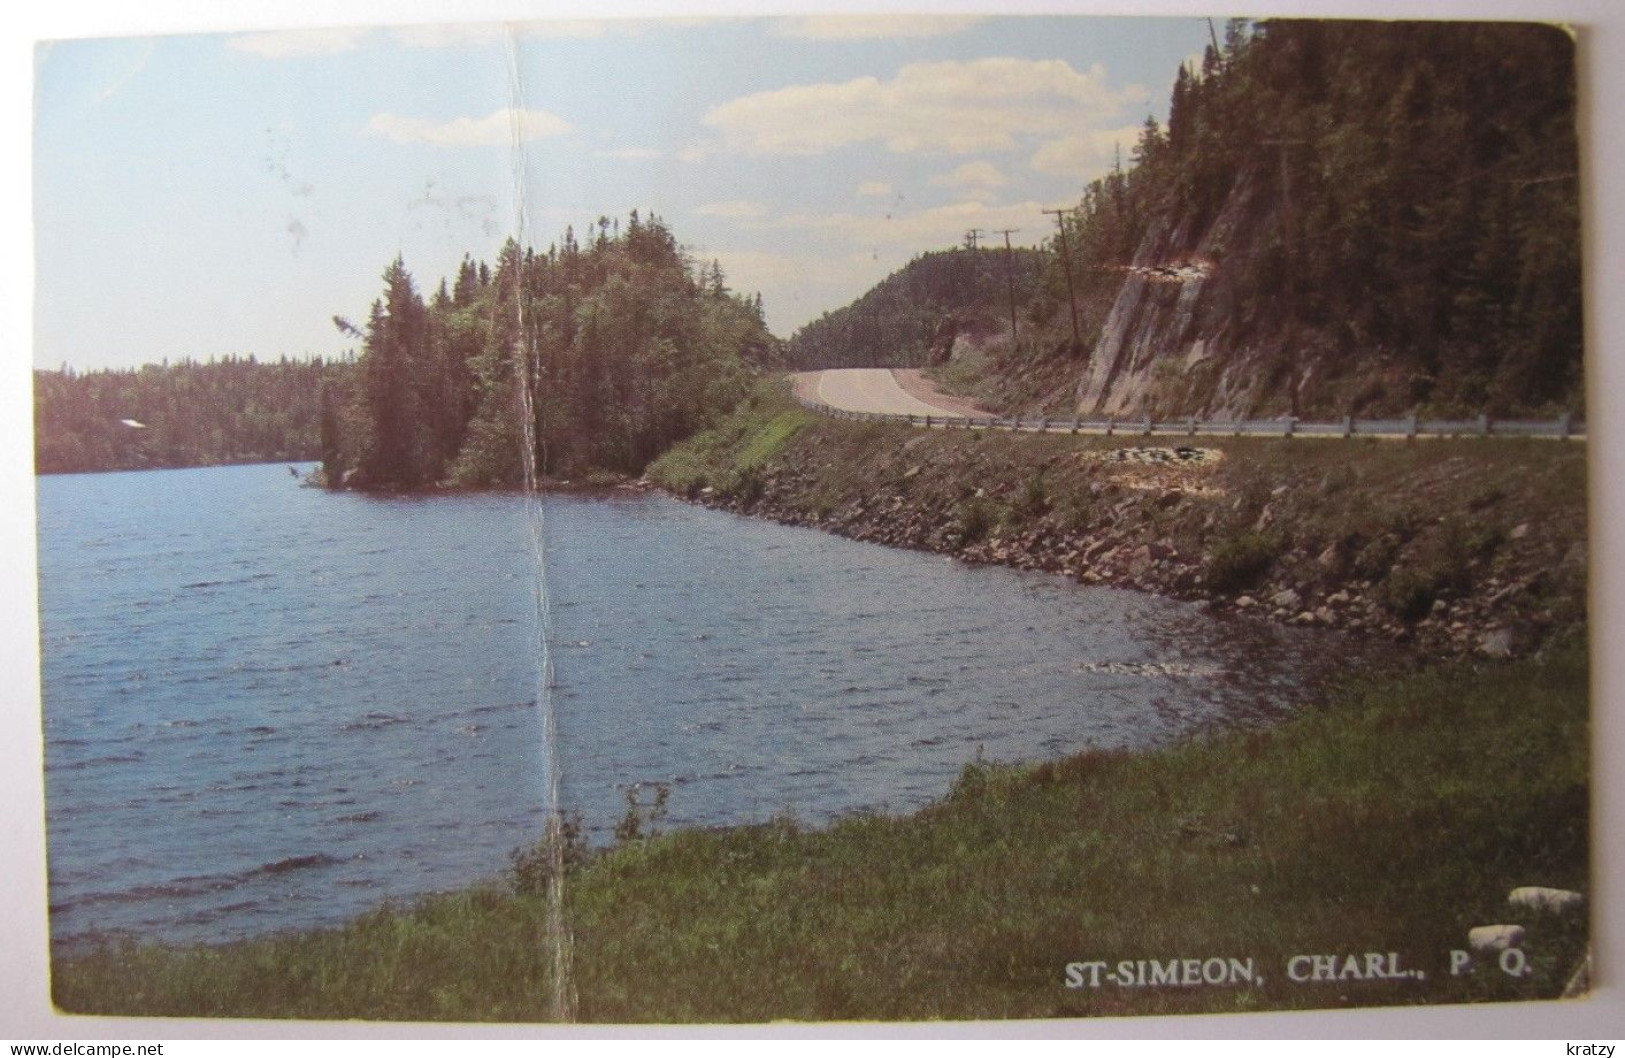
871, 389
876, 390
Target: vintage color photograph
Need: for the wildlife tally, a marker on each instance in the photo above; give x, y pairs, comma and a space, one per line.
839, 518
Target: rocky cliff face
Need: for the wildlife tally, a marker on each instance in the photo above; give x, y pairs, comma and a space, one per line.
1169, 324
1183, 338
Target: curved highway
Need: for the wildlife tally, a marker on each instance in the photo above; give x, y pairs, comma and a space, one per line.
865, 389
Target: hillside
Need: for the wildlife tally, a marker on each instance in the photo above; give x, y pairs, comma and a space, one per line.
1339, 218
916, 315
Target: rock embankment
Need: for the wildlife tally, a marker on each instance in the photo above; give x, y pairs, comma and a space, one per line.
1460, 547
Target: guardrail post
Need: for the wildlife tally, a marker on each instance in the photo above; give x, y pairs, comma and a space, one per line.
1111, 426
1148, 426
1348, 426
1291, 423
1043, 424
1565, 425
1410, 427
1484, 424
1074, 424
1193, 426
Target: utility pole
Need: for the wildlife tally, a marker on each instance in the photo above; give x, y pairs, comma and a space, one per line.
1066, 266
1010, 279
971, 235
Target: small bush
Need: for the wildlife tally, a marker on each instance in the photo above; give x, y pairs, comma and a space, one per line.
745, 485
1445, 565
531, 868
977, 517
1242, 561
1376, 559
1032, 501
1484, 540
1407, 594
641, 819
1077, 513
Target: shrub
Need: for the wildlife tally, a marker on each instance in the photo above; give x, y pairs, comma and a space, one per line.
1376, 559
1242, 561
1445, 565
1033, 499
1408, 594
641, 819
977, 517
531, 867
745, 485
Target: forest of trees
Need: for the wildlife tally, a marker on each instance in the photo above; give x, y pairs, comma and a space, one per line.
1389, 209
1419, 201
233, 410
911, 317
613, 348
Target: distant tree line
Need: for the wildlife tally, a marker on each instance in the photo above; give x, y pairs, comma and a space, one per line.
1414, 196
598, 355
911, 317
231, 410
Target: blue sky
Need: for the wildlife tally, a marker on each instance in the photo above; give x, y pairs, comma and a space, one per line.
214, 194
200, 195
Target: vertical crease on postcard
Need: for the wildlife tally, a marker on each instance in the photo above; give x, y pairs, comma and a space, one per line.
557, 935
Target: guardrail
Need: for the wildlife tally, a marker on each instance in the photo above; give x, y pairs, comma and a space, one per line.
1564, 428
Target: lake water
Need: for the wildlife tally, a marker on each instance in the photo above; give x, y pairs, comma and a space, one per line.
271, 707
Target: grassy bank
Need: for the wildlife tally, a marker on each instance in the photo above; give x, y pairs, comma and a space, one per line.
1390, 819
1464, 546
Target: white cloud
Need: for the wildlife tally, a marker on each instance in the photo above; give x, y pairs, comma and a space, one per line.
692, 154
874, 188
738, 209
1088, 156
953, 107
872, 27
297, 43
495, 129
972, 174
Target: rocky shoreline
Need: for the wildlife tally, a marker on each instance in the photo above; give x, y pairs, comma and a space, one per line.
1475, 559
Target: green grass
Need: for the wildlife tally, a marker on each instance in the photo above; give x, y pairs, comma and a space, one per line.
1391, 818
728, 456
